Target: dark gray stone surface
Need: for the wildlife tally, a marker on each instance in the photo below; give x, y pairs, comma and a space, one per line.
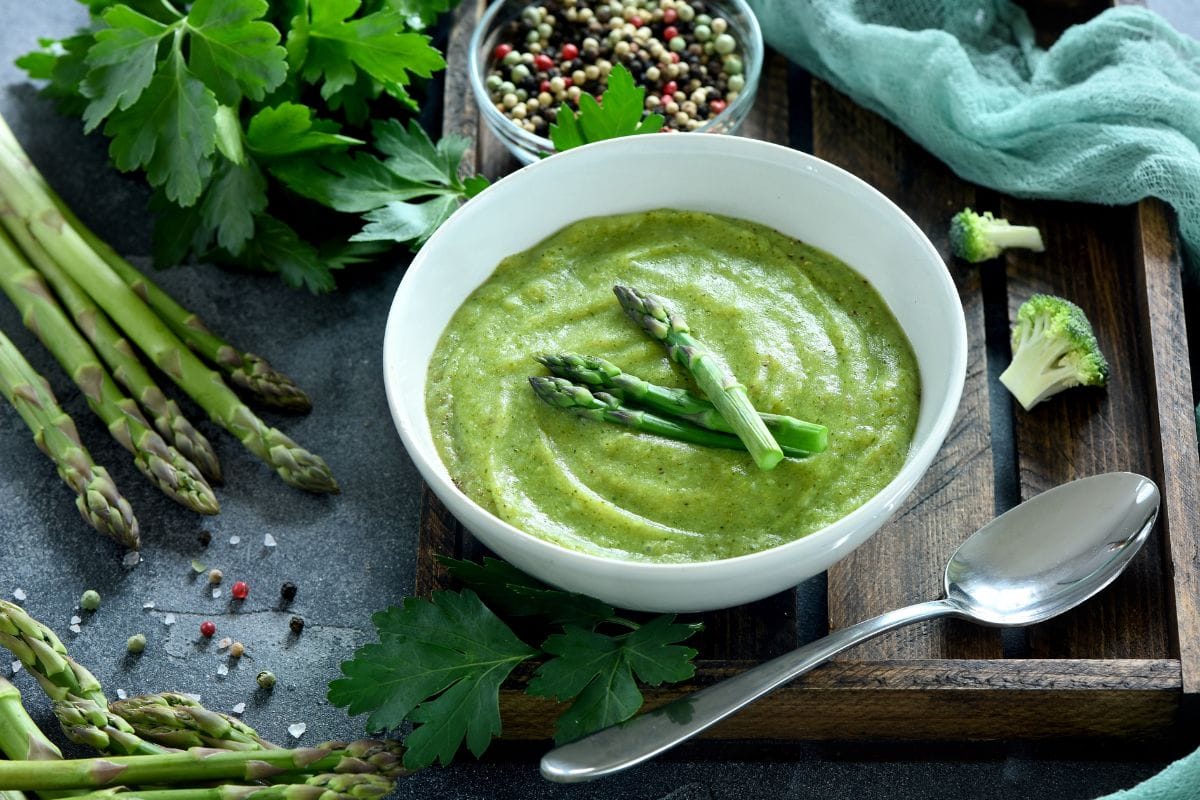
349, 555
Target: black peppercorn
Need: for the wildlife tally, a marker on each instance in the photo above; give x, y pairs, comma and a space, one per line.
296, 624
288, 591
205, 538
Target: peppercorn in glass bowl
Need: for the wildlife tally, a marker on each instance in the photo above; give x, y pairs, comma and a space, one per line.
699, 62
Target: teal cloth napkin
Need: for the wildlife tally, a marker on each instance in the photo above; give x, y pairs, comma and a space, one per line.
1109, 114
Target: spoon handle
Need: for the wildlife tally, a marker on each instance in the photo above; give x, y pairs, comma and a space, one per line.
622, 746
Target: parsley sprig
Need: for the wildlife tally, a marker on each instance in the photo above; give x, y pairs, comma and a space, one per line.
619, 112
440, 663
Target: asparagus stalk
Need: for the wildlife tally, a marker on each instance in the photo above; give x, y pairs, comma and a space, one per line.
325, 786
35, 209
201, 764
603, 407
119, 355
98, 501
162, 464
251, 372
602, 374
77, 697
20, 737
175, 720
712, 376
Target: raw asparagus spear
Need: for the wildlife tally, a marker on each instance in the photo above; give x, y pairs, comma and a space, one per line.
602, 374
652, 314
119, 355
202, 765
98, 501
252, 373
162, 464
20, 737
603, 407
78, 700
325, 786
35, 209
175, 720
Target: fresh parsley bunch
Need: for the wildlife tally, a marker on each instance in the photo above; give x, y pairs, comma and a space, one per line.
230, 106
439, 663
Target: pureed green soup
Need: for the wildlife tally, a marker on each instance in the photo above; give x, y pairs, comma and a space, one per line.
806, 334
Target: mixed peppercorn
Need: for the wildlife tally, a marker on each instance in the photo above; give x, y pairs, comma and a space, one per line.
686, 58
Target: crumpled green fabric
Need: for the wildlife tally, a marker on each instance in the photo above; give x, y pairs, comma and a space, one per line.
1110, 113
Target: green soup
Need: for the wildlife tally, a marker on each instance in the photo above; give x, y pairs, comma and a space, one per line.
806, 334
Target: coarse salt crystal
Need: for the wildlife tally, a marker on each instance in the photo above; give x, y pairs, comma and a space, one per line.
297, 730
168, 619
75, 620
16, 667
221, 645
222, 670
268, 541
148, 605
132, 558
216, 593
19, 594
239, 708
122, 694
75, 629
234, 539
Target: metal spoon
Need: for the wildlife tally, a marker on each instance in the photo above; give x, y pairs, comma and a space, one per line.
1043, 557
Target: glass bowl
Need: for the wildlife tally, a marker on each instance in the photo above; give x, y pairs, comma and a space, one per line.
528, 147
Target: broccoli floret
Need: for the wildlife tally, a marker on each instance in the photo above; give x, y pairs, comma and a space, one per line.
1054, 348
980, 237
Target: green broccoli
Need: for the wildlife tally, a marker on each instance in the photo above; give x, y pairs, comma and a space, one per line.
1054, 348
980, 237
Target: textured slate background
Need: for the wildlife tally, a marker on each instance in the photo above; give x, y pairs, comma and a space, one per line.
349, 555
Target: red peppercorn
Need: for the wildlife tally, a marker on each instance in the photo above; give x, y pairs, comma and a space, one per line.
670, 15
544, 86
543, 62
240, 590
568, 83
670, 33
207, 629
674, 57
636, 22
670, 88
570, 52
501, 51
716, 106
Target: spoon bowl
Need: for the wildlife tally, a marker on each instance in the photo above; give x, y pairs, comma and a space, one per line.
1036, 561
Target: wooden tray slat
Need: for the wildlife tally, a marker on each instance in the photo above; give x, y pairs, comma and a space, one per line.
902, 564
1086, 432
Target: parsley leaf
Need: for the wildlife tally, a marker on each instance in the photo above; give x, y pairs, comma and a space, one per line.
326, 45
440, 663
233, 50
618, 113
289, 128
598, 671
121, 62
237, 194
509, 591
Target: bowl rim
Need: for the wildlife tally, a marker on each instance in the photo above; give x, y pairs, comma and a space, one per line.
885, 500
504, 127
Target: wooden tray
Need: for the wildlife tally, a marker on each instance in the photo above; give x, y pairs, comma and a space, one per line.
1125, 664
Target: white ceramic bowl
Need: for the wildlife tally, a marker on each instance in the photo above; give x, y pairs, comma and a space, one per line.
789, 191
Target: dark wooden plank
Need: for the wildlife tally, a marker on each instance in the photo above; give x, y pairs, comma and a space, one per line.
1172, 412
958, 700
1091, 261
902, 564
460, 115
768, 120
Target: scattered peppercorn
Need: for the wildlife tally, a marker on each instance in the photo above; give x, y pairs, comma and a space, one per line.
89, 600
208, 628
266, 679
136, 643
215, 576
563, 49
240, 590
205, 538
296, 624
236, 649
288, 591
